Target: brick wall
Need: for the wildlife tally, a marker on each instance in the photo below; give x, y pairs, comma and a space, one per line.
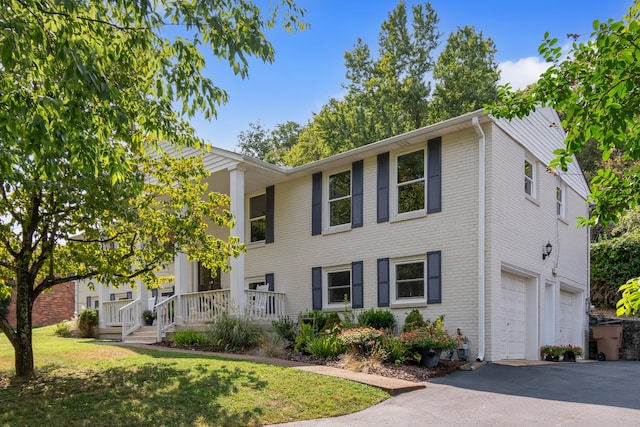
50, 307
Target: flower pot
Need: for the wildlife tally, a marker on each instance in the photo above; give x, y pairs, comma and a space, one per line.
550, 358
148, 321
428, 358
568, 356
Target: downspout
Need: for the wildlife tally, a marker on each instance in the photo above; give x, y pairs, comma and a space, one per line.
481, 237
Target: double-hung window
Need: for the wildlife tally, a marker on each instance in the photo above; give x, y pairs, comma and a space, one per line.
338, 285
409, 280
257, 217
410, 182
529, 179
340, 198
560, 205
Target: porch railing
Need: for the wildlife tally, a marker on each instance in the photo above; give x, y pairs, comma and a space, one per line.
165, 315
111, 312
264, 305
200, 307
131, 317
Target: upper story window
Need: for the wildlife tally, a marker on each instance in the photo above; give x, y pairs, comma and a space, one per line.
338, 285
410, 182
529, 179
257, 217
340, 198
560, 203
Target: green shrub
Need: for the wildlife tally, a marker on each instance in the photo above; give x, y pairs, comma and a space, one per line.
273, 345
395, 350
325, 346
88, 323
378, 319
315, 318
232, 333
613, 262
286, 329
333, 322
360, 341
306, 334
63, 329
413, 321
189, 338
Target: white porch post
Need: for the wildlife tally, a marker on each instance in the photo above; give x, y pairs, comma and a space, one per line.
143, 294
103, 295
181, 283
236, 192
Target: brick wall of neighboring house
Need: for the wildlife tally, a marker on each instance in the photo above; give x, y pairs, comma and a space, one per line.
50, 307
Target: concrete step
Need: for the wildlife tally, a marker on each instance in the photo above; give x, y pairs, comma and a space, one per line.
144, 335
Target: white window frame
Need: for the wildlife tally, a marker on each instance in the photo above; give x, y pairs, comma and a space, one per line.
326, 203
251, 283
393, 293
258, 218
532, 180
561, 202
325, 285
394, 196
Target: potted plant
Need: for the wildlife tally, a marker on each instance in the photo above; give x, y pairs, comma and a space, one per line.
429, 341
552, 353
148, 316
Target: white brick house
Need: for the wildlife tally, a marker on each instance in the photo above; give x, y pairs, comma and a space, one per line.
452, 219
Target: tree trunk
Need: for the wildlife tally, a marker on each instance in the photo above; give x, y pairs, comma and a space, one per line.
23, 344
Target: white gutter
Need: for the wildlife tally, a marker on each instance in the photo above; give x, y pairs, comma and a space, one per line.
481, 238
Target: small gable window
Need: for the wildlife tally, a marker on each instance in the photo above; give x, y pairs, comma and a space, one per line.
529, 179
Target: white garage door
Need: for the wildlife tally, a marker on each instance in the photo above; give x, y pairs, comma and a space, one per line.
566, 322
514, 316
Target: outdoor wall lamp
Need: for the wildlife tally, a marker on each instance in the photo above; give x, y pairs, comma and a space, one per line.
547, 250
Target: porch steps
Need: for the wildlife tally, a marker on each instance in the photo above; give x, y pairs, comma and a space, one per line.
144, 335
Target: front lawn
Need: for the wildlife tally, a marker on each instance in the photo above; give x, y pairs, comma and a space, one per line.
87, 382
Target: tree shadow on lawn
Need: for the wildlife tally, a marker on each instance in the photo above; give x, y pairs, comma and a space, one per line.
150, 394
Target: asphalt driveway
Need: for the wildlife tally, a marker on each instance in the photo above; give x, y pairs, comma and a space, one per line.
586, 394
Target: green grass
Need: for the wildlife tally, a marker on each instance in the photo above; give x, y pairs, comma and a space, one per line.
85, 382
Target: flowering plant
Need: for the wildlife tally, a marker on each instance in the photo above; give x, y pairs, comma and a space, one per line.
432, 337
559, 350
360, 340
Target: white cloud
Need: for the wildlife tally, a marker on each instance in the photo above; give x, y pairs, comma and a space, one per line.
522, 72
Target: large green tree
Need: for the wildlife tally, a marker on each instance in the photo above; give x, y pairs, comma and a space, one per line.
595, 85
269, 145
88, 93
466, 75
386, 95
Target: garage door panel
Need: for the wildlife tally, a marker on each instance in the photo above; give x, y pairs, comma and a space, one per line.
514, 316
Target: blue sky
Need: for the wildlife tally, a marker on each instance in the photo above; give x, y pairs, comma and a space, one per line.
309, 65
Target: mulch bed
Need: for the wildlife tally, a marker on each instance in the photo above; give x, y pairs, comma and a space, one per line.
409, 371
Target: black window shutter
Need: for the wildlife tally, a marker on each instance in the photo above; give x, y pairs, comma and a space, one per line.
316, 288
382, 200
112, 297
270, 235
434, 282
316, 204
269, 279
434, 175
357, 172
357, 285
383, 282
